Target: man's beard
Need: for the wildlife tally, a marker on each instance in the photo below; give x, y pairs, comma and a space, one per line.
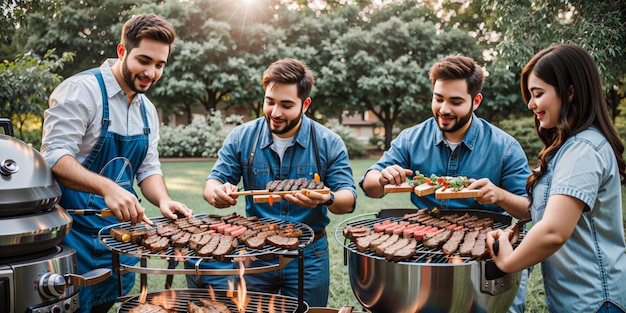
128, 78
458, 123
289, 126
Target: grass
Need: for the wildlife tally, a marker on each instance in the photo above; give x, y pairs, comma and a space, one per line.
185, 180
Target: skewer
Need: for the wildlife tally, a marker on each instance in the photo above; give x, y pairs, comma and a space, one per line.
276, 193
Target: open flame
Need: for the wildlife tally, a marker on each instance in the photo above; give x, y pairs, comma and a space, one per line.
166, 300
240, 299
455, 259
143, 294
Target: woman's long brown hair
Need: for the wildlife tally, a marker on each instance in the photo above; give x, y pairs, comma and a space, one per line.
568, 66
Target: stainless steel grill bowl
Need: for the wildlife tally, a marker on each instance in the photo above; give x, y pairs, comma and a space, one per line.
429, 282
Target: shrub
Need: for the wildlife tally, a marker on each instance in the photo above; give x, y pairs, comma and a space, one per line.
356, 149
202, 138
523, 129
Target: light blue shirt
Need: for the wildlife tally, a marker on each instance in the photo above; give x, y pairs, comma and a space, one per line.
299, 161
590, 268
485, 152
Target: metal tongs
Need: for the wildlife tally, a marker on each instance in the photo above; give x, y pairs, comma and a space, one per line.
103, 212
513, 232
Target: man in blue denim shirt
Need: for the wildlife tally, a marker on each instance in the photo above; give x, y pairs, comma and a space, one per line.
455, 142
286, 144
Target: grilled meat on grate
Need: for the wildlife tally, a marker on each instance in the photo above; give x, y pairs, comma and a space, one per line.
149, 308
398, 240
209, 236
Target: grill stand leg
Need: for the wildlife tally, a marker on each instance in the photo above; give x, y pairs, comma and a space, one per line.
170, 278
115, 268
143, 277
301, 306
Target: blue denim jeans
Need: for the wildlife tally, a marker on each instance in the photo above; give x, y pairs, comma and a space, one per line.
285, 281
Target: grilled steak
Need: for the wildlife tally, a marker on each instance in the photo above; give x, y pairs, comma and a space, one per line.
207, 249
225, 246
182, 240
354, 232
380, 249
453, 243
215, 306
378, 241
197, 241
363, 243
391, 250
149, 308
120, 234
480, 250
160, 245
207, 306
435, 240
290, 243
405, 252
468, 243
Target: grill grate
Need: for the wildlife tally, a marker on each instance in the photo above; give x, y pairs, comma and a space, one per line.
424, 255
241, 250
177, 299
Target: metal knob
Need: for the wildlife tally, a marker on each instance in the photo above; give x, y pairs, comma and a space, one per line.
52, 285
8, 167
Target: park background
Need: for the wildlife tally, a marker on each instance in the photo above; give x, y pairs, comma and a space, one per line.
370, 59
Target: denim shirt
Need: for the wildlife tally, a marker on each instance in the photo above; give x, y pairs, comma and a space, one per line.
590, 268
485, 152
299, 161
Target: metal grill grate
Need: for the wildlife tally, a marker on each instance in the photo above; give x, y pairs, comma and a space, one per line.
136, 250
424, 254
177, 299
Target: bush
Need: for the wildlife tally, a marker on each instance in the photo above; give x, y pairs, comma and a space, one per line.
202, 138
523, 129
378, 142
356, 149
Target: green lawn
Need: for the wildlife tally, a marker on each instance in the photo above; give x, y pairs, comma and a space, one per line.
185, 180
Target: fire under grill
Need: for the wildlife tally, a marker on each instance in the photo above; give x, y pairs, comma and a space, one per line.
176, 300
423, 254
184, 252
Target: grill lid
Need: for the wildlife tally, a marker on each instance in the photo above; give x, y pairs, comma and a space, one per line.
26, 181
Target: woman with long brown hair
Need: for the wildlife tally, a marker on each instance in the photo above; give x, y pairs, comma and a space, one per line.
575, 191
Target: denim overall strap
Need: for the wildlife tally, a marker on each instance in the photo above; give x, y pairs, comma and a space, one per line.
115, 156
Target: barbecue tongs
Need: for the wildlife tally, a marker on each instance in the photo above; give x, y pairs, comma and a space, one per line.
103, 212
514, 234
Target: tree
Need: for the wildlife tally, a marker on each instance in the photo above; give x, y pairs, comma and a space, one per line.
382, 65
27, 83
598, 26
90, 29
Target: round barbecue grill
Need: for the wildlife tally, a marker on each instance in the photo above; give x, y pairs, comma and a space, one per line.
176, 300
136, 250
239, 253
429, 281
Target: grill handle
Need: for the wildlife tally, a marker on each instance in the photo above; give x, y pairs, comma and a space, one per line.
90, 278
7, 126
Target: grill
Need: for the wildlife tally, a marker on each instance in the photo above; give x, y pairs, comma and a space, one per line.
242, 250
429, 281
177, 299
424, 254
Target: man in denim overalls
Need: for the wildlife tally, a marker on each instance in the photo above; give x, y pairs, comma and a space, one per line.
100, 133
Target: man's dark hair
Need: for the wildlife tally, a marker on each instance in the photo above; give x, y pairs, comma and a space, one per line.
149, 26
459, 67
290, 71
